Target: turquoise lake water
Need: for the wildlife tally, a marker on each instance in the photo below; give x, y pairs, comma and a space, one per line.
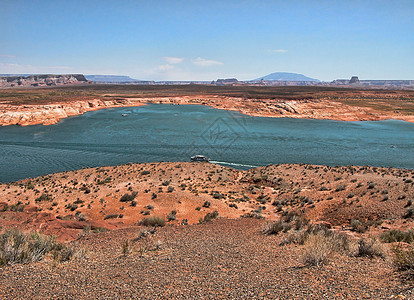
161, 132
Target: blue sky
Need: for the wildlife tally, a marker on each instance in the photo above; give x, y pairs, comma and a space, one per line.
206, 40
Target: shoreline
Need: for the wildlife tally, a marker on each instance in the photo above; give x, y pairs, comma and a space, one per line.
223, 165
50, 114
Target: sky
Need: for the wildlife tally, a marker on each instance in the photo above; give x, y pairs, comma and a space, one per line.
206, 40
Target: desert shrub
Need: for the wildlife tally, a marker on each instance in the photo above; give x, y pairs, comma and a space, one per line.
289, 216
166, 183
125, 249
112, 216
152, 221
209, 216
409, 212
99, 229
14, 207
18, 247
145, 172
358, 226
128, 197
317, 250
234, 205
339, 242
300, 222
276, 227
144, 232
370, 248
206, 204
404, 259
64, 253
253, 215
30, 185
395, 235
78, 201
43, 197
217, 195
105, 181
170, 189
340, 187
172, 216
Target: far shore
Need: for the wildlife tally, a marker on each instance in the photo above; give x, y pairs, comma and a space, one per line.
49, 114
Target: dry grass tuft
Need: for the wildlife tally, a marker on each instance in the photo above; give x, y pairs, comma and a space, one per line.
371, 248
404, 260
317, 250
17, 247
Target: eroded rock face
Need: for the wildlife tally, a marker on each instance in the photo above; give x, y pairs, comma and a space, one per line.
42, 80
53, 113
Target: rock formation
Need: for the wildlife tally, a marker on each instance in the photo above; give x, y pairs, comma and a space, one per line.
41, 80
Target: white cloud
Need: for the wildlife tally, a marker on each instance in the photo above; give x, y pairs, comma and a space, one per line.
173, 60
202, 62
165, 68
278, 51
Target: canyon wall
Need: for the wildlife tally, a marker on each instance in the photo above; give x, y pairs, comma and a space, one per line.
41, 80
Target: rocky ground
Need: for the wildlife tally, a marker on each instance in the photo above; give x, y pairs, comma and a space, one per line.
229, 257
222, 259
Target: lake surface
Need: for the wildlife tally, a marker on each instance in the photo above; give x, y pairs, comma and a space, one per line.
162, 132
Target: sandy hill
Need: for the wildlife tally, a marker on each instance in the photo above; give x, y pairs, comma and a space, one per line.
121, 196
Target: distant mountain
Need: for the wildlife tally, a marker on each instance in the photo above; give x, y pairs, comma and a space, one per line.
110, 78
284, 76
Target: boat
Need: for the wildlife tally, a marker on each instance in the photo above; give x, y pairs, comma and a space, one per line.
199, 158
124, 115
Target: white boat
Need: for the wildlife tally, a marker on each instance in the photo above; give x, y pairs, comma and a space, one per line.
199, 158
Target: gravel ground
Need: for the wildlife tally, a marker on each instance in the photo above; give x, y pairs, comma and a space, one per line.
222, 259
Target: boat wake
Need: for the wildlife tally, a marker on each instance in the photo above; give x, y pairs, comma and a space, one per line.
233, 164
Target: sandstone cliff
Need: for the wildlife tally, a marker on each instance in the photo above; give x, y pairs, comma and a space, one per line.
41, 80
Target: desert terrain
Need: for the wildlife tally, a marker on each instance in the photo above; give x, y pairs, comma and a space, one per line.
28, 106
219, 232
170, 230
